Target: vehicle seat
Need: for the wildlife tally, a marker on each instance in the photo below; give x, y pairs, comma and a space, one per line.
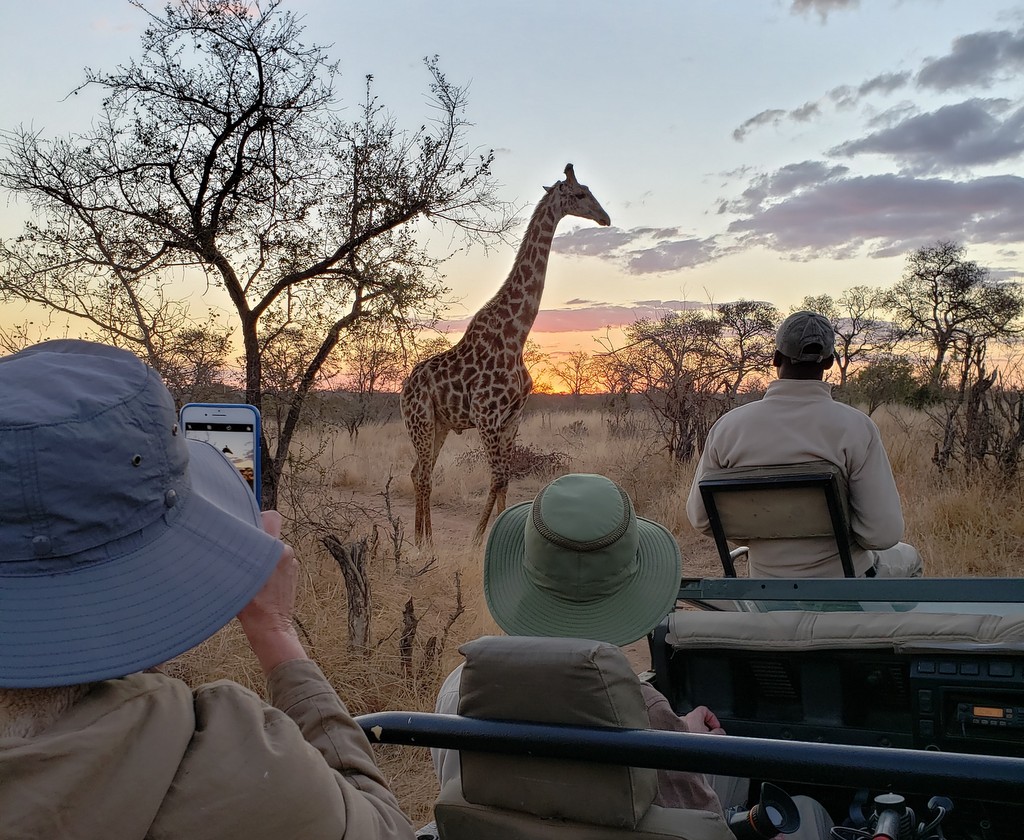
518, 797
782, 501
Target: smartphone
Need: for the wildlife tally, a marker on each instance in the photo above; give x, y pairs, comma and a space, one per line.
234, 428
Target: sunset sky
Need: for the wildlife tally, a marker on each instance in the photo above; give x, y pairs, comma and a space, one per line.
762, 149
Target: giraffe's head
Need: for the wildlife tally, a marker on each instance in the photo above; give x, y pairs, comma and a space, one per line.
576, 199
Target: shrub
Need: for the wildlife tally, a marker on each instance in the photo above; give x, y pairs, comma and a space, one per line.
526, 460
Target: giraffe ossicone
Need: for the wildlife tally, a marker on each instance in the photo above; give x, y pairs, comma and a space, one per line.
482, 381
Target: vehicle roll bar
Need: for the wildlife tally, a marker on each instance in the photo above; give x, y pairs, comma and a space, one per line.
984, 778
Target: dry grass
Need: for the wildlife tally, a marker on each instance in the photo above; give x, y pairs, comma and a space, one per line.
963, 525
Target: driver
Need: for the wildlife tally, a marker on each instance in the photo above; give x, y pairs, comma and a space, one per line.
798, 421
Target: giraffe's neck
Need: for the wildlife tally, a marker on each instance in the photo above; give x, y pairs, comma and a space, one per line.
521, 293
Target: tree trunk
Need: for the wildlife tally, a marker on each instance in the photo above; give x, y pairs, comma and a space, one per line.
351, 557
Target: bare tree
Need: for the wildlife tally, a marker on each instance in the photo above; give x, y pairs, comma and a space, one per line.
747, 343
221, 153
679, 373
861, 332
576, 370
615, 376
536, 359
373, 360
193, 362
19, 336
425, 345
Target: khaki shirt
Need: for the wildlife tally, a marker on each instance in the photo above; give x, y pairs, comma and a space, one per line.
145, 757
798, 421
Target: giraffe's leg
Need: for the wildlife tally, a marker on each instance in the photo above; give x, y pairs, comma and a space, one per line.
497, 444
428, 447
508, 437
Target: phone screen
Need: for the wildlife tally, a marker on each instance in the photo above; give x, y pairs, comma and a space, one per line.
236, 440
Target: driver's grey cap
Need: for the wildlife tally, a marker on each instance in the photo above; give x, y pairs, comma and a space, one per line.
806, 337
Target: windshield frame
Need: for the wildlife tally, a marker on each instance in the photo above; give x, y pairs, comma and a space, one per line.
998, 596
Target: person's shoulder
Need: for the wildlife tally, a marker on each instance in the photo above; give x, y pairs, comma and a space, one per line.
740, 413
853, 415
226, 697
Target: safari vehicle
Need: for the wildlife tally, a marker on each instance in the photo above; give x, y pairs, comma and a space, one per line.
897, 704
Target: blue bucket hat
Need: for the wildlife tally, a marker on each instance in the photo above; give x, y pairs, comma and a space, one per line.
122, 544
578, 562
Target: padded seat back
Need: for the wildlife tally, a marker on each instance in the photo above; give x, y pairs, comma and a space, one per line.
568, 681
780, 501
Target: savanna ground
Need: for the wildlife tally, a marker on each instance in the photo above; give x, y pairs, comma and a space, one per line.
962, 524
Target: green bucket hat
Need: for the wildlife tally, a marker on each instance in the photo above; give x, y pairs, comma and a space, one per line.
578, 562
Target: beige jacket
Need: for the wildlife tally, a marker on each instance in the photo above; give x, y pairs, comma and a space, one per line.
145, 757
798, 421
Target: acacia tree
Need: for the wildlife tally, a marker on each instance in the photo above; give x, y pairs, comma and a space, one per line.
861, 332
747, 342
193, 361
221, 153
889, 379
953, 306
955, 309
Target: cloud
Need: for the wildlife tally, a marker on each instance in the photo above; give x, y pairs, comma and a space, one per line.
967, 134
824, 208
671, 255
894, 115
774, 116
592, 318
805, 112
823, 7
642, 250
845, 96
975, 60
591, 242
770, 117
783, 182
887, 215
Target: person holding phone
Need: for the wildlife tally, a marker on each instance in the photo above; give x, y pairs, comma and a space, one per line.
122, 545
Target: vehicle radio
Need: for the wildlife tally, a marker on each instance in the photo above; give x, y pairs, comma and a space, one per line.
987, 715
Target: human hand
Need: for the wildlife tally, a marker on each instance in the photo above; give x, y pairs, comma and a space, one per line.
267, 618
703, 720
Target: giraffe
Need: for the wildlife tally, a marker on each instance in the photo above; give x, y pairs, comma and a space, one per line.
482, 382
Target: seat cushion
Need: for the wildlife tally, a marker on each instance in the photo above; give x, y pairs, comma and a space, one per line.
458, 819
794, 630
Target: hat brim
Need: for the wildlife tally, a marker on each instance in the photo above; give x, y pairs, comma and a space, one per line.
173, 585
520, 608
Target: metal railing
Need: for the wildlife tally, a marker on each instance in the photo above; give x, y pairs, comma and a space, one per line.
981, 778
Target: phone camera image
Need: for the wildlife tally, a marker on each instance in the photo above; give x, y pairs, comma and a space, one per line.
234, 429
235, 440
